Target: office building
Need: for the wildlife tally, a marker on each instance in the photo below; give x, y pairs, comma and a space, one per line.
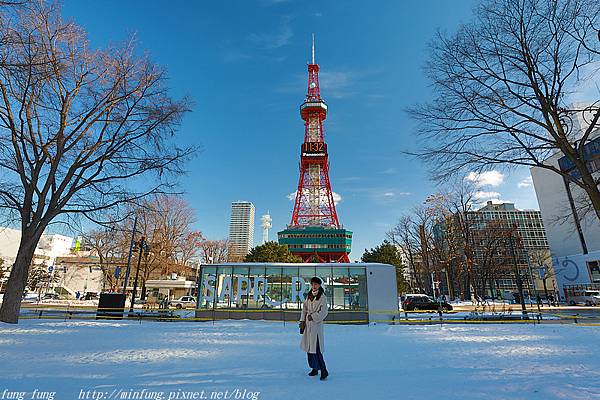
531, 251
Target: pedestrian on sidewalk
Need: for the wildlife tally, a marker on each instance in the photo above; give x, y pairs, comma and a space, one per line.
314, 311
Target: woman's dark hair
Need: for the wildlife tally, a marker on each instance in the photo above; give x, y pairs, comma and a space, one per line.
318, 280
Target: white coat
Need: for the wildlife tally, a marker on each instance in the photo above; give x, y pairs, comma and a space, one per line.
318, 310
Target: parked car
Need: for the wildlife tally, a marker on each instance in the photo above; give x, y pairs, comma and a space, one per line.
416, 302
31, 298
587, 297
183, 302
50, 296
90, 296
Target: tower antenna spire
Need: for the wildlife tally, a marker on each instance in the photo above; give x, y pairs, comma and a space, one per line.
313, 48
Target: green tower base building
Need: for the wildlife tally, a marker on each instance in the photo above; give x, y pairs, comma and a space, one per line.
317, 243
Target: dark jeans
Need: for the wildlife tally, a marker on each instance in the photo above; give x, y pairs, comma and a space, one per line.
315, 360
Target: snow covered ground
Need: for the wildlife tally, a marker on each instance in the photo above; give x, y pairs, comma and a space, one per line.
366, 362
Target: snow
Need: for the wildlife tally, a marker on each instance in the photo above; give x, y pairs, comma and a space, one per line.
483, 361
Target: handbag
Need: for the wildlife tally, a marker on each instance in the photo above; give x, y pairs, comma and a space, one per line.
302, 327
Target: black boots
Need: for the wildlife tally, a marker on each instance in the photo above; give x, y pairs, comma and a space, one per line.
315, 372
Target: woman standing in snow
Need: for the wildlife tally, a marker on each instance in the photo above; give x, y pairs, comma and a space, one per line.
314, 311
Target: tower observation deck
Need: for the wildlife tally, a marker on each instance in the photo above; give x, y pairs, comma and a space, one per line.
315, 233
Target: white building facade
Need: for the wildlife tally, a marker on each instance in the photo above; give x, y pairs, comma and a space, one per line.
573, 234
241, 229
48, 249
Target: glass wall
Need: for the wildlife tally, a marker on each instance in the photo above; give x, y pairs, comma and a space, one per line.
256, 294
259, 288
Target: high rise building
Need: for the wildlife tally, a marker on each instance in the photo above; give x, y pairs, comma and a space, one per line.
241, 229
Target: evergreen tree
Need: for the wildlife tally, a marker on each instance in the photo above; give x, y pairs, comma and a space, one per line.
271, 252
387, 253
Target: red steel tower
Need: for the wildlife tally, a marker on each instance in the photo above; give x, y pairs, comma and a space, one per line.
315, 232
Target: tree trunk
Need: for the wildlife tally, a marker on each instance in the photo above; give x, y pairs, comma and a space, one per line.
143, 292
594, 195
15, 287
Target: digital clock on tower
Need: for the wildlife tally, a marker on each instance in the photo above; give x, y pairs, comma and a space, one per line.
314, 148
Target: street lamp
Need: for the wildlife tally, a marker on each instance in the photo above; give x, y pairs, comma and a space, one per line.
450, 294
131, 244
143, 247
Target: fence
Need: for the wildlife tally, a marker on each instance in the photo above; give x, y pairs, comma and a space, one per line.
70, 312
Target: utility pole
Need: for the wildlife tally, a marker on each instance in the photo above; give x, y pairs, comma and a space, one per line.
143, 248
127, 271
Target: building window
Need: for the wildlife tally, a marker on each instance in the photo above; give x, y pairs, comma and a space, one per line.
594, 268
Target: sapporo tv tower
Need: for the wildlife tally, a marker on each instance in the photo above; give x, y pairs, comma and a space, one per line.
315, 233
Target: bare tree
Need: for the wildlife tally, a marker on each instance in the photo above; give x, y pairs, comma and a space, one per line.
4, 273
492, 253
454, 205
110, 245
81, 130
39, 278
405, 235
503, 87
189, 247
165, 222
214, 251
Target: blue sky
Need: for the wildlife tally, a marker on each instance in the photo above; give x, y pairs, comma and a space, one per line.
244, 65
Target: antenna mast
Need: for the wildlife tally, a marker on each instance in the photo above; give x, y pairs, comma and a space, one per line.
313, 48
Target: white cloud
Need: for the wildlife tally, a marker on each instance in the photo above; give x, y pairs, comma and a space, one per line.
487, 178
525, 183
337, 84
271, 41
235, 55
498, 201
481, 194
478, 205
336, 197
334, 84
588, 86
391, 195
